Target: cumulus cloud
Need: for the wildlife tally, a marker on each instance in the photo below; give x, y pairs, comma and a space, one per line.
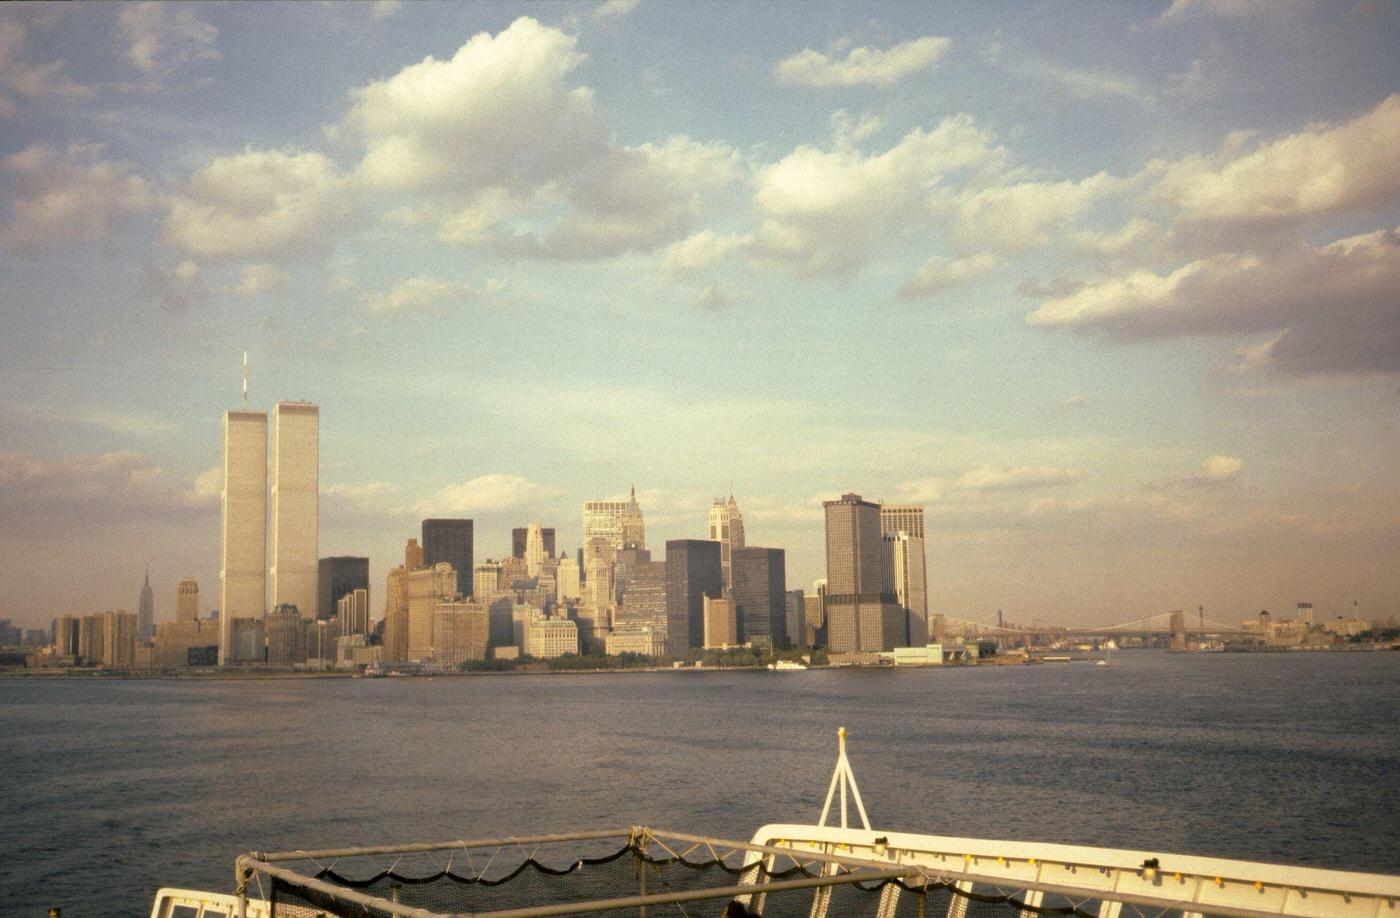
78, 490
1333, 309
1021, 216
260, 203
1137, 236
1217, 470
160, 36
862, 66
701, 251
939, 274
421, 294
614, 8
59, 196
823, 211
1324, 169
484, 494
32, 82
258, 279
505, 154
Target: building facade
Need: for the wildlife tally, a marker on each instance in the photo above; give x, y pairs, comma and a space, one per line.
726, 528
146, 611
242, 524
904, 564
547, 638
187, 600
450, 540
644, 601
426, 588
352, 612
721, 623
618, 521
519, 534
460, 632
632, 639
861, 616
295, 505
337, 577
692, 573
759, 592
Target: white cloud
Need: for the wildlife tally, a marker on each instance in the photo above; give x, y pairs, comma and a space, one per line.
505, 154
614, 8
939, 274
1217, 470
1181, 9
824, 211
383, 9
702, 250
260, 203
1014, 218
160, 36
32, 82
1135, 236
862, 66
117, 420
259, 279
923, 490
1321, 170
1334, 309
64, 196
421, 294
1088, 83
486, 493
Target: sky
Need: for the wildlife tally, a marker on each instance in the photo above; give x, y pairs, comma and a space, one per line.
1112, 289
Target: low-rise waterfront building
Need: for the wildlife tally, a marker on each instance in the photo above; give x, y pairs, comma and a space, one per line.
640, 639
547, 638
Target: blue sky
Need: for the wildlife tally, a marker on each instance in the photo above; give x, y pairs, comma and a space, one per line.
1112, 289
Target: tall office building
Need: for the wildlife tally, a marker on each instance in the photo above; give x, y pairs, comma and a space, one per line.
425, 589
692, 573
904, 564
726, 528
242, 524
860, 614
187, 601
396, 602
146, 610
486, 579
567, 581
796, 611
618, 521
352, 612
902, 528
595, 613
760, 596
534, 550
336, 577
721, 623
644, 602
295, 502
519, 534
65, 636
896, 518
119, 640
450, 541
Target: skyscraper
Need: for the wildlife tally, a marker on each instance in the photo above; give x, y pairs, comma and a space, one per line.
567, 580
726, 528
146, 611
337, 577
860, 614
187, 601
425, 589
534, 550
759, 594
242, 524
618, 521
644, 602
450, 540
295, 497
519, 534
904, 559
902, 528
692, 573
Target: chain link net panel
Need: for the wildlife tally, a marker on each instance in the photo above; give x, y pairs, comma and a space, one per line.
514, 878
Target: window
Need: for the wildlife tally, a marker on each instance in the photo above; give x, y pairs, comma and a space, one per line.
184, 911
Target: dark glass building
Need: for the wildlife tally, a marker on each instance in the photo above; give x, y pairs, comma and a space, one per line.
517, 541
760, 595
450, 541
692, 573
335, 577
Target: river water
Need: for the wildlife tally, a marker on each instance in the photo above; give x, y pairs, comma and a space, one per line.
111, 788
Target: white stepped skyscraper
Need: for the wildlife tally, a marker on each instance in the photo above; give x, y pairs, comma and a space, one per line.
293, 571
727, 528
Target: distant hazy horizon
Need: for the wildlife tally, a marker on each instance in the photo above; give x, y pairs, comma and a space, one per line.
1112, 290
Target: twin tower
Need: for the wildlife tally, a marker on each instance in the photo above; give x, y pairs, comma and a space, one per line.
247, 569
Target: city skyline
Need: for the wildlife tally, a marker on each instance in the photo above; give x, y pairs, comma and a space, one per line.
1121, 316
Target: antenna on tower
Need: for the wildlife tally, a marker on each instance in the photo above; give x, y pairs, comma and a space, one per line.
245, 380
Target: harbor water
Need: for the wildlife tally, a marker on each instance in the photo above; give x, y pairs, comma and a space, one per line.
114, 787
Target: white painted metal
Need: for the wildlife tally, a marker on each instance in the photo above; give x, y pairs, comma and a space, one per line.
845, 778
